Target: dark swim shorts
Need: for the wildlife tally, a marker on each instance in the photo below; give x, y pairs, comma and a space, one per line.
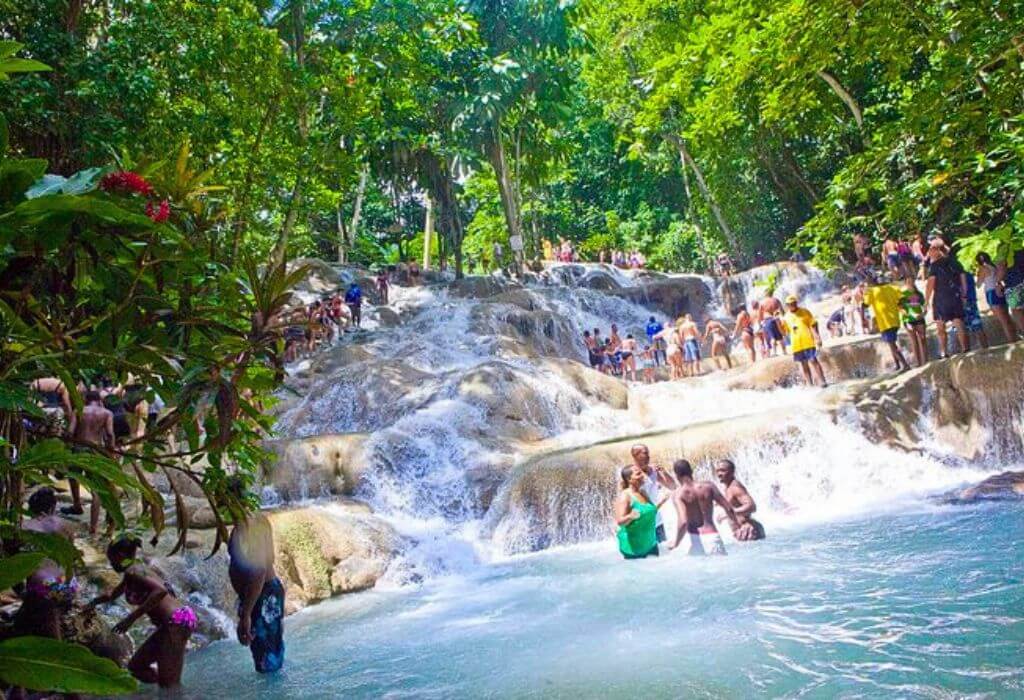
267, 620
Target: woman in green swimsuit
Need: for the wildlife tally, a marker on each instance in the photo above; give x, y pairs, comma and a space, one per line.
636, 516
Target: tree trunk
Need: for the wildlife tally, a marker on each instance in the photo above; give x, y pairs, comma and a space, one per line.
845, 96
278, 256
342, 233
687, 160
428, 232
243, 201
349, 238
506, 188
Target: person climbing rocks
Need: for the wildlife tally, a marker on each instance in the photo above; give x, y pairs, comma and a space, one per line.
383, 285
719, 344
745, 332
804, 340
741, 501
354, 299
654, 327
695, 503
260, 591
690, 334
912, 315
945, 291
884, 300
94, 431
173, 620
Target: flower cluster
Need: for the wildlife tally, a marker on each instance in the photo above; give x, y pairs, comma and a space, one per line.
126, 182
160, 213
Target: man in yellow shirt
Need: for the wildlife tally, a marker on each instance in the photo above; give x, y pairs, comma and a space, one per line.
884, 300
804, 340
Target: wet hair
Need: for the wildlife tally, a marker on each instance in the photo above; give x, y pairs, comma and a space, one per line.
42, 501
682, 468
983, 258
586, 334
124, 547
92, 395
652, 320
625, 474
629, 336
728, 464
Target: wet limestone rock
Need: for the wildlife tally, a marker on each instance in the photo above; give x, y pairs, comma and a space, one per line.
673, 296
323, 552
1005, 486
321, 465
970, 405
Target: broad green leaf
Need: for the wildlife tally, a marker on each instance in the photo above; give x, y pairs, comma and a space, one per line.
17, 568
39, 663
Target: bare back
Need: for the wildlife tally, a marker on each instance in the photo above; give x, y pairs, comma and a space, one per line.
95, 426
695, 506
251, 550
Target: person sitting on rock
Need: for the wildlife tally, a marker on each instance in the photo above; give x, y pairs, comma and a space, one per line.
260, 592
741, 501
47, 595
175, 622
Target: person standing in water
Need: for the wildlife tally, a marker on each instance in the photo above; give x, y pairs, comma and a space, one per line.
690, 335
884, 300
628, 352
636, 516
260, 591
93, 429
719, 344
652, 330
741, 501
655, 479
695, 507
745, 332
804, 338
383, 285
912, 314
173, 620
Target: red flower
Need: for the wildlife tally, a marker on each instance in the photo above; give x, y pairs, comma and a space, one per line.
159, 214
126, 182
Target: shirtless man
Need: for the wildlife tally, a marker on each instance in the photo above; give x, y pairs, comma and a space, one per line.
719, 343
695, 508
741, 501
629, 353
745, 332
690, 335
891, 253
95, 427
766, 311
260, 592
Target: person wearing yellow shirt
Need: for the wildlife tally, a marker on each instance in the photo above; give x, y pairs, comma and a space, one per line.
884, 300
804, 340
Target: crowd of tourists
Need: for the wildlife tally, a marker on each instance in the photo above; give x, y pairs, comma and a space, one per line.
904, 294
49, 598
644, 488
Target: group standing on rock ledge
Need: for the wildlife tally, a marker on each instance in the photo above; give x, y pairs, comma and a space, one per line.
928, 282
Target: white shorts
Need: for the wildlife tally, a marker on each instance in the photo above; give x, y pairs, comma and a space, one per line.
702, 543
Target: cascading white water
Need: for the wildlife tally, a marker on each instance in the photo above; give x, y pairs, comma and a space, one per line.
482, 391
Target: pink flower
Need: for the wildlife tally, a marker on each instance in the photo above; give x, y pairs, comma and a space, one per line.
159, 214
126, 182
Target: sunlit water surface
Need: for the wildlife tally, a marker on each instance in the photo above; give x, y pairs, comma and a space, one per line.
926, 604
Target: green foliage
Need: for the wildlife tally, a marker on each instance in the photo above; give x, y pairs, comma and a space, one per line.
39, 663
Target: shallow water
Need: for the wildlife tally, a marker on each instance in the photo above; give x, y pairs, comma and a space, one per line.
925, 604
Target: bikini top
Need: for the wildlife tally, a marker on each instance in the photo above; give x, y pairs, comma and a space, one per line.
50, 398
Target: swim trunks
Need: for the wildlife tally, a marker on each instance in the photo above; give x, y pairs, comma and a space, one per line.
889, 335
691, 350
994, 299
267, 620
806, 355
771, 330
701, 543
